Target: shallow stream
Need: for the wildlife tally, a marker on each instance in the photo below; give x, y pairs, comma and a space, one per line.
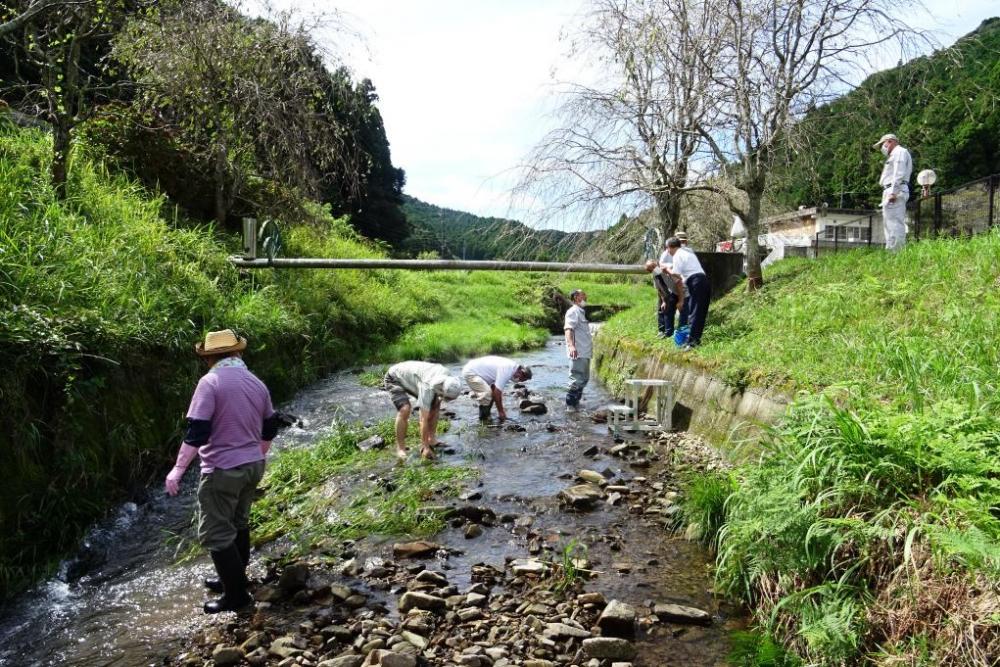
123, 601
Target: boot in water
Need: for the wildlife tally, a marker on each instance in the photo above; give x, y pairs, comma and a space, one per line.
243, 547
484, 412
232, 573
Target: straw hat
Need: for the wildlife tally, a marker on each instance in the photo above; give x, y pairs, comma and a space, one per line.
220, 342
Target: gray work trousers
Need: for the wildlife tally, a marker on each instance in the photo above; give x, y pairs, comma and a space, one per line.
579, 376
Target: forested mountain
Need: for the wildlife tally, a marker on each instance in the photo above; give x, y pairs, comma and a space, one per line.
944, 108
461, 235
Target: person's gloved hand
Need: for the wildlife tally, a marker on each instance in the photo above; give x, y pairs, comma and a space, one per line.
184, 458
174, 480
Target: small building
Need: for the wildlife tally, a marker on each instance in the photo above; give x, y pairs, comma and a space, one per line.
801, 233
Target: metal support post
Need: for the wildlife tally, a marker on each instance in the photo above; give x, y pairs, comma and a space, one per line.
249, 239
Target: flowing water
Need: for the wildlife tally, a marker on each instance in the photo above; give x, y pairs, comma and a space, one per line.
123, 600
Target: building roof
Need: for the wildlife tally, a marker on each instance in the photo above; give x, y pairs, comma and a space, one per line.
812, 211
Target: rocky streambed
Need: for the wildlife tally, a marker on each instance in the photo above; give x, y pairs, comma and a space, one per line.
561, 553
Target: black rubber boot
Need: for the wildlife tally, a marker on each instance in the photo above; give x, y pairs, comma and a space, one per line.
243, 547
230, 567
484, 412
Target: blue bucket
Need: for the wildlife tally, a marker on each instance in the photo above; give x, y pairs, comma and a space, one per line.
681, 336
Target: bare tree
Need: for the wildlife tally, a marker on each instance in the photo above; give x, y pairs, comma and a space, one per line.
629, 139
251, 96
777, 59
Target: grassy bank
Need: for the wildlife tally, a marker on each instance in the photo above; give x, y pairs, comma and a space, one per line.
914, 326
102, 296
865, 528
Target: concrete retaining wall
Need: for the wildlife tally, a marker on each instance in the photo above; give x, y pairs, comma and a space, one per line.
704, 404
724, 270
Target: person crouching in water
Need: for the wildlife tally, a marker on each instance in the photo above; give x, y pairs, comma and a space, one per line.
429, 384
230, 425
487, 376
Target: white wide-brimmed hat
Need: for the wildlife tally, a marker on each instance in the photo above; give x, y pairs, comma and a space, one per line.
220, 342
885, 138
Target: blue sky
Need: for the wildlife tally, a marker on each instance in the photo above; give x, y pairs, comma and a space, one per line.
466, 87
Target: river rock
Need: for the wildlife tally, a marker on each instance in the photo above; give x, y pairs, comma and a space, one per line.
383, 658
617, 620
608, 648
535, 662
677, 613
592, 477
563, 631
473, 531
287, 647
293, 577
581, 496
530, 566
432, 577
475, 514
418, 549
223, 656
415, 600
420, 642
599, 416
535, 409
351, 660
374, 442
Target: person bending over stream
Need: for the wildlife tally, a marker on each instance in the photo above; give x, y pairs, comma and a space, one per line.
429, 384
487, 376
230, 425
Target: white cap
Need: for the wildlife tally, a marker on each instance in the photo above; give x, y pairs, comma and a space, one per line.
448, 386
885, 138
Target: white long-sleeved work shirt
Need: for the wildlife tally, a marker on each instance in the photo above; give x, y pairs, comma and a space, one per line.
896, 170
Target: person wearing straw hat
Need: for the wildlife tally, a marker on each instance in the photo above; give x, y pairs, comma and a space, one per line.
230, 425
429, 384
895, 183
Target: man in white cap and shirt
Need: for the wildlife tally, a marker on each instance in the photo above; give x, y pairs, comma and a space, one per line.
429, 384
487, 376
699, 293
895, 182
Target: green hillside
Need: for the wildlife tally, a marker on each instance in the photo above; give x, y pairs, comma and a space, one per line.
460, 235
942, 106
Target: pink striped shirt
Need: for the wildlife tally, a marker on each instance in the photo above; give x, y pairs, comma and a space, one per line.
237, 403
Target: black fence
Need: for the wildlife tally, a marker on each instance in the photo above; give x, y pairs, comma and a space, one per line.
969, 209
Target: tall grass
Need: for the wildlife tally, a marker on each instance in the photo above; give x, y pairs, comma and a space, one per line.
861, 529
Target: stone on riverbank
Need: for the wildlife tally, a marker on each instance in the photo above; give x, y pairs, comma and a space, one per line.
581, 496
608, 648
617, 620
374, 442
677, 613
418, 549
352, 660
415, 600
223, 656
384, 658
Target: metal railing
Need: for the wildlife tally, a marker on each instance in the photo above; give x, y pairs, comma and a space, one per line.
842, 239
966, 210
963, 211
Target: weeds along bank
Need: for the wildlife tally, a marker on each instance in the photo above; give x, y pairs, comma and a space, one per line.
103, 295
865, 527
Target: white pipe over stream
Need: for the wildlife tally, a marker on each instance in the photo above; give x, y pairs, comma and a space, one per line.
432, 265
